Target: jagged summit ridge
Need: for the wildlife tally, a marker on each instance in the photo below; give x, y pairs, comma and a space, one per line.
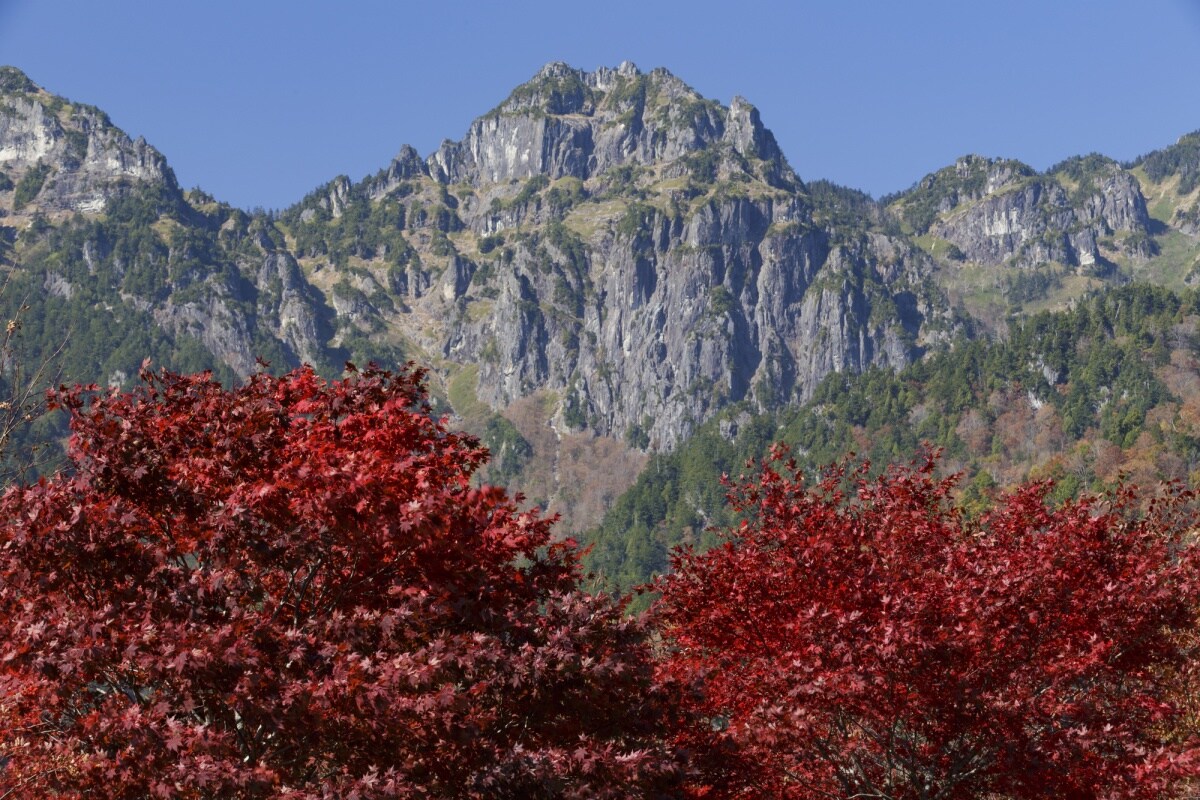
1078, 214
566, 122
78, 159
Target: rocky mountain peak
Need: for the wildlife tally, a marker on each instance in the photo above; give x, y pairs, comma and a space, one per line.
1079, 223
555, 69
565, 122
406, 166
993, 210
67, 156
749, 137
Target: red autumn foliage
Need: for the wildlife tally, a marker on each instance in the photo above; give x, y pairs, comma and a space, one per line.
290, 590
870, 642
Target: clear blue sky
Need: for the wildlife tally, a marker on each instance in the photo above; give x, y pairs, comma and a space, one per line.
260, 101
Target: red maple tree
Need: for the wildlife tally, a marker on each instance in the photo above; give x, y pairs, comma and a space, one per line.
868, 642
291, 590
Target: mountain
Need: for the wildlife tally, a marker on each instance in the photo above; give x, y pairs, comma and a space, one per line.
602, 265
65, 156
105, 246
615, 239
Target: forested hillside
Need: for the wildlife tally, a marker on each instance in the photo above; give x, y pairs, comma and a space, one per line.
1107, 390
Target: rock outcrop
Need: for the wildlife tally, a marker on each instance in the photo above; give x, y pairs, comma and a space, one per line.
68, 157
570, 123
998, 211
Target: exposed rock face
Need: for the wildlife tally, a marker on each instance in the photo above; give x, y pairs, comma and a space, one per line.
1116, 204
658, 331
86, 160
642, 254
213, 277
1031, 222
566, 122
216, 324
237, 313
407, 165
998, 211
292, 310
258, 305
1187, 220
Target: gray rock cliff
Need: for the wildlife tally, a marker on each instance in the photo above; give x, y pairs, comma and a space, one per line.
82, 159
997, 211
